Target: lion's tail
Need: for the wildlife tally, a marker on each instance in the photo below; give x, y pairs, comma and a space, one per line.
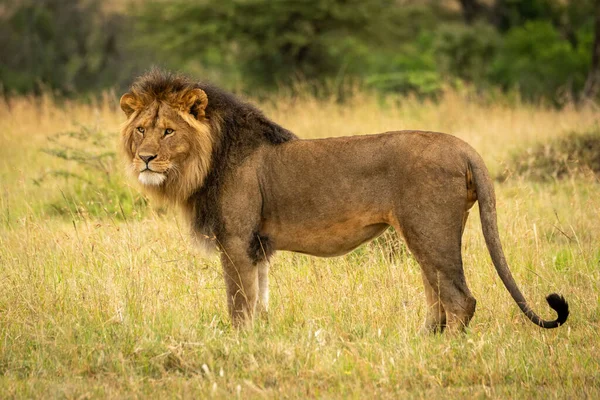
487, 211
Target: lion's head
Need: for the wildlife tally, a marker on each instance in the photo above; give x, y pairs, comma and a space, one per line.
167, 137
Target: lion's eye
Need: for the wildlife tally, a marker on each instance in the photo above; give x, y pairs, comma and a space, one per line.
168, 131
141, 130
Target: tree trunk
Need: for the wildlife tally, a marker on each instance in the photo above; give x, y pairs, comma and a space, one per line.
592, 84
471, 10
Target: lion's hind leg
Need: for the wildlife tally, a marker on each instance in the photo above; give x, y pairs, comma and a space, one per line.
437, 247
435, 319
447, 283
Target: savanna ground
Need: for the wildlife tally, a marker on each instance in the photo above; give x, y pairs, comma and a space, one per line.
102, 295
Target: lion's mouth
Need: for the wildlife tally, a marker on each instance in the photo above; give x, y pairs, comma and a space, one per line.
151, 178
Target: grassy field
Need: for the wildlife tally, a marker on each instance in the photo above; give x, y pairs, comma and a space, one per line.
103, 296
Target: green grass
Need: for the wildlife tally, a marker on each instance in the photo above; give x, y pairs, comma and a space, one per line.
96, 306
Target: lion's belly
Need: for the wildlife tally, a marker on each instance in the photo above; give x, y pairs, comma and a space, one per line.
322, 238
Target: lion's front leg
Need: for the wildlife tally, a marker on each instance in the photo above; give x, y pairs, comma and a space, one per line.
241, 282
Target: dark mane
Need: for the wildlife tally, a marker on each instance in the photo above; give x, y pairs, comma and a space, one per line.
160, 85
227, 113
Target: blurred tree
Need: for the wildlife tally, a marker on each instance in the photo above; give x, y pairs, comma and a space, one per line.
466, 52
270, 41
412, 68
540, 47
472, 9
592, 84
567, 16
541, 62
69, 46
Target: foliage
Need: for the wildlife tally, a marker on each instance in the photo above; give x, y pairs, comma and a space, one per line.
541, 48
68, 46
566, 16
566, 156
269, 42
541, 62
465, 52
412, 48
411, 70
93, 186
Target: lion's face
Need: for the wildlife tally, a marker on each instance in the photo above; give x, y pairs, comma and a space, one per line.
167, 142
160, 144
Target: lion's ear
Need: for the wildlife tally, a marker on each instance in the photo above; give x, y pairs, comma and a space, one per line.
195, 102
129, 104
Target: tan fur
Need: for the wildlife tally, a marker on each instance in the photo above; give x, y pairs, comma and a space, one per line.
252, 188
192, 139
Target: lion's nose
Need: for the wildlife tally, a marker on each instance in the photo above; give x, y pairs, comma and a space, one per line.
147, 157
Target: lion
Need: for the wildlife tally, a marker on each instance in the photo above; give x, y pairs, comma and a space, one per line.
250, 188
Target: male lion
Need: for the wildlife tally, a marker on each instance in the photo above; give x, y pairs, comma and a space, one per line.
253, 187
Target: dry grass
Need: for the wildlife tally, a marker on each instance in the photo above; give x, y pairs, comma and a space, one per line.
101, 307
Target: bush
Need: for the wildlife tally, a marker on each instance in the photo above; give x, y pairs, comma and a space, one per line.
573, 154
412, 69
540, 62
466, 52
96, 188
66, 46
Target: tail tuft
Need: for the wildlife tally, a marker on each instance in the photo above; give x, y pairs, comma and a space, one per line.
560, 305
